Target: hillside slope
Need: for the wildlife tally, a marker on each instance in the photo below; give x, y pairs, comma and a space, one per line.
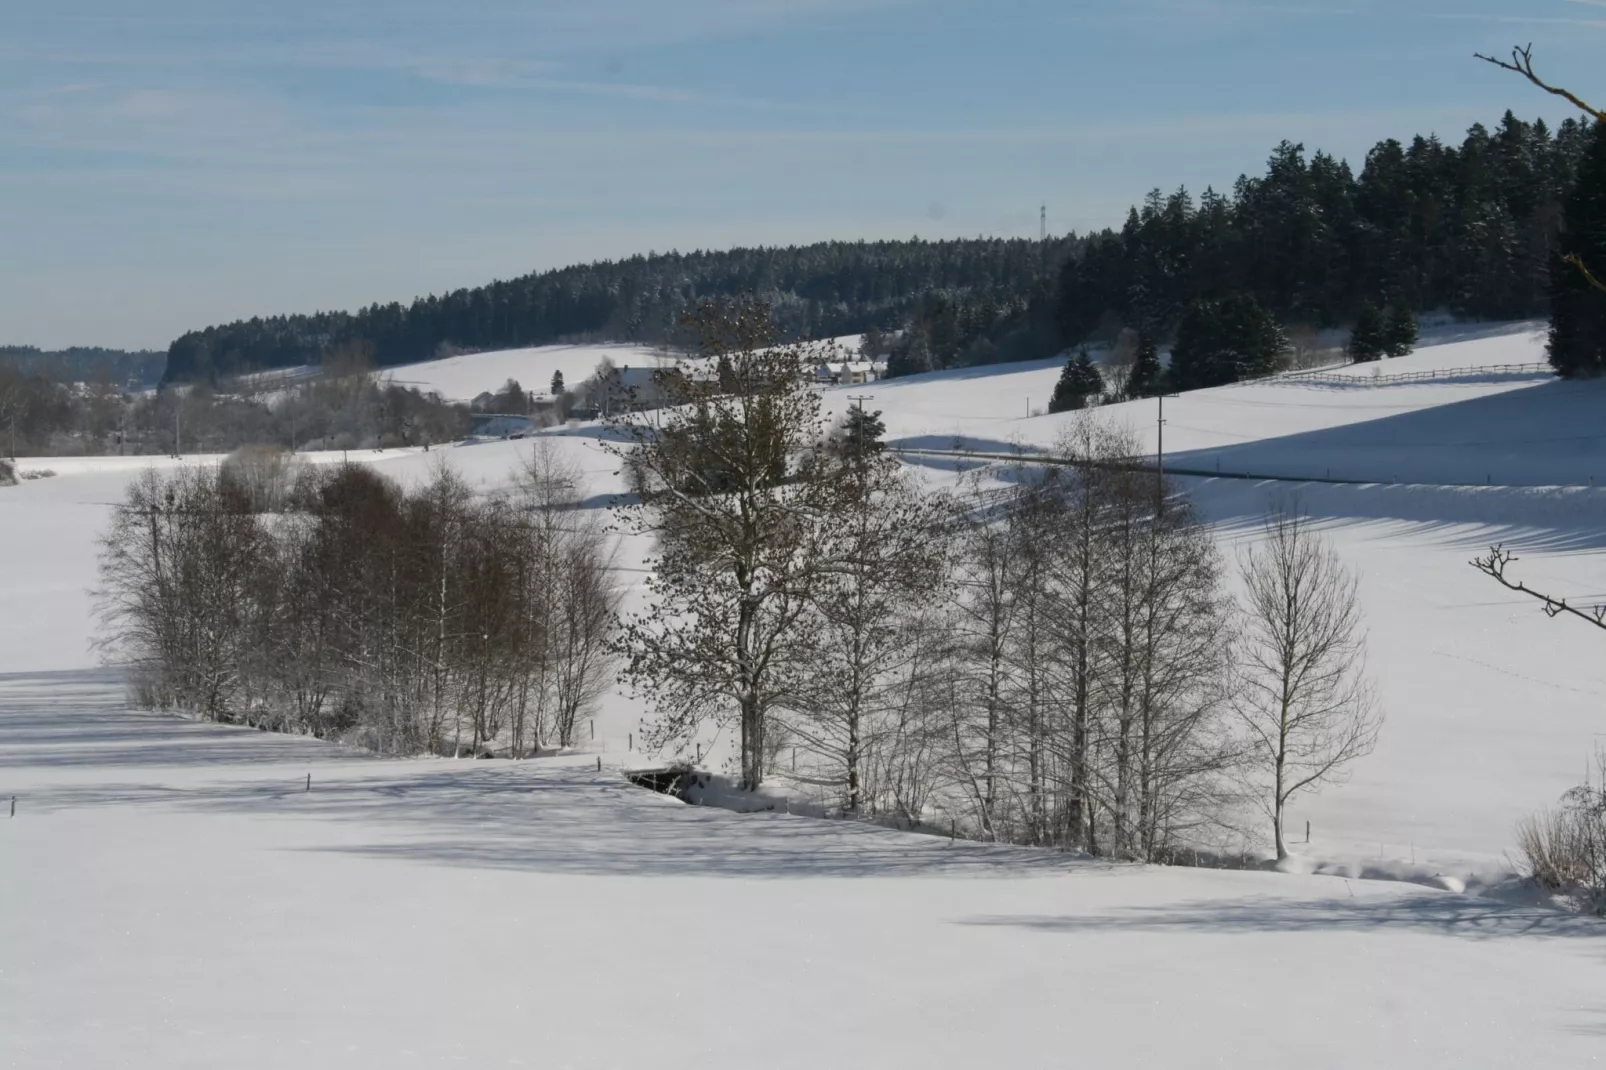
1492, 709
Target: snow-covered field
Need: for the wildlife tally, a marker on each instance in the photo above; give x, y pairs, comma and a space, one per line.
174, 897
464, 377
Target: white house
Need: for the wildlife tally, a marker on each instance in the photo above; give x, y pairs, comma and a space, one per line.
849, 372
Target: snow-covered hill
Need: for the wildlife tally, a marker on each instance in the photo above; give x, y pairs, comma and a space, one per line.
463, 377
178, 889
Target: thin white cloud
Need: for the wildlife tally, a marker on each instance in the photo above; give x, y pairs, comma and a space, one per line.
477, 71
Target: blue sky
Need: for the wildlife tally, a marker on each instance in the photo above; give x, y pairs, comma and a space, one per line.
165, 164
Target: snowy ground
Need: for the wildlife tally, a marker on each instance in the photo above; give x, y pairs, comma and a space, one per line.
179, 902
464, 377
175, 897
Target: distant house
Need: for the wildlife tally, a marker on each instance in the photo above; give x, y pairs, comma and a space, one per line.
849, 372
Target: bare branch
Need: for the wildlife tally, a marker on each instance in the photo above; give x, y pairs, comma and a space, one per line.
1522, 63
1493, 564
1578, 262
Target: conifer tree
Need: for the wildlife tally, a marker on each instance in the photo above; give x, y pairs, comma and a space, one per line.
860, 437
1399, 331
557, 384
1077, 383
1368, 339
1226, 341
1146, 371
1577, 308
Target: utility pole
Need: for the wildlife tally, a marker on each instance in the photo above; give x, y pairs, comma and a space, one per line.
1159, 454
858, 447
178, 411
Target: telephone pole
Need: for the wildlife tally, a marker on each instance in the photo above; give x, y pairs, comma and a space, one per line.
1159, 454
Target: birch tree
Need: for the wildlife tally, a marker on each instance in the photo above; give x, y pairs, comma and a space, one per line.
882, 564
1301, 689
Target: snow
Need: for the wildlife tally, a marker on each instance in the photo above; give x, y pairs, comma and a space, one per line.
464, 377
174, 897
1521, 428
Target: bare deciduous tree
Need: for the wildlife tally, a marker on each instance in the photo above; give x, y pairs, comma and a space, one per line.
881, 564
1301, 689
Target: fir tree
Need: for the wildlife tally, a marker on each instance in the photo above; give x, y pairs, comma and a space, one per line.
557, 384
1399, 331
861, 433
1577, 309
1368, 339
1077, 383
1146, 371
1226, 341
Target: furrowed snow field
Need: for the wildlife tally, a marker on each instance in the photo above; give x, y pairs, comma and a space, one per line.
174, 897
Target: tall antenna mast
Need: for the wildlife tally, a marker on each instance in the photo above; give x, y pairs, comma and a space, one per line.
1042, 223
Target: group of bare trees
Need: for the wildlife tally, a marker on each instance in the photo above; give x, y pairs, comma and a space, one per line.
1066, 681
1048, 655
334, 602
345, 406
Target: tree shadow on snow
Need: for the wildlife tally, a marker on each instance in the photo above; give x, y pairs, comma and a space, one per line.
81, 718
1542, 435
1435, 912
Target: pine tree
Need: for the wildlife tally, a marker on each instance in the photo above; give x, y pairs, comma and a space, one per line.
1146, 371
1368, 339
1399, 331
1226, 341
1077, 383
1577, 309
557, 384
861, 434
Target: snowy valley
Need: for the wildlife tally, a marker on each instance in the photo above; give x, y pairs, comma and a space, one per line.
187, 894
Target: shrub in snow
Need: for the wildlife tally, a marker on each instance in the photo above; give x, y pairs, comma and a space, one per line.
265, 474
8, 474
1565, 849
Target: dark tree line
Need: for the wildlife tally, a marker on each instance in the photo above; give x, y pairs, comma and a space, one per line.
84, 364
1470, 229
334, 602
830, 288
